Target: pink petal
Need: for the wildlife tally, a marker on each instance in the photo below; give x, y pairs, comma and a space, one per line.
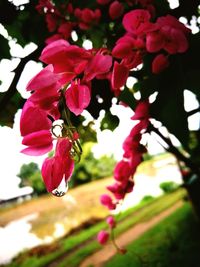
134, 19
154, 42
33, 119
38, 138
45, 78
37, 150
119, 75
63, 147
69, 168
99, 64
159, 63
77, 98
141, 111
54, 51
52, 172
122, 171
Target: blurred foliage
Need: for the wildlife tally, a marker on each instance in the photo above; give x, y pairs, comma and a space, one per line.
169, 186
147, 198
31, 176
91, 168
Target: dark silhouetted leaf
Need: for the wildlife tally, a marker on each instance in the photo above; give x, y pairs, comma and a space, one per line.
109, 122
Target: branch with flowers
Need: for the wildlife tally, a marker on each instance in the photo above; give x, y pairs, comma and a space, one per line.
137, 38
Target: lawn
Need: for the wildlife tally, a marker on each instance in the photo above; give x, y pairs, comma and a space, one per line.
72, 249
173, 242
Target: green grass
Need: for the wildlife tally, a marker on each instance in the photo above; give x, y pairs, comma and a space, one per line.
173, 242
142, 212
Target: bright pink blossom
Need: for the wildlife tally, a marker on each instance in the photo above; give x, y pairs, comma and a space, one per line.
67, 60
103, 237
171, 35
87, 17
141, 111
107, 201
116, 9
46, 78
137, 22
122, 171
38, 143
77, 97
124, 47
98, 65
58, 167
35, 129
119, 75
33, 119
159, 63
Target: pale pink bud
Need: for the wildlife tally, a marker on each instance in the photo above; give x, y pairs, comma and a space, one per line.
111, 222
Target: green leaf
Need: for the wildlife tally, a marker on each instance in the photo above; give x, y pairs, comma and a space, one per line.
7, 111
4, 48
127, 97
109, 122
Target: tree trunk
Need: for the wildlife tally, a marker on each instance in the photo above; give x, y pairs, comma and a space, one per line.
192, 185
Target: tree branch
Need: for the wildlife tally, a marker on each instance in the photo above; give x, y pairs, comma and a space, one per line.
172, 149
6, 96
192, 112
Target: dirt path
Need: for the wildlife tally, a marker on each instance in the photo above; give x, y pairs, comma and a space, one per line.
100, 257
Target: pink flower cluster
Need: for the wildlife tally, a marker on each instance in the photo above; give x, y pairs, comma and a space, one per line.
164, 37
125, 169
53, 90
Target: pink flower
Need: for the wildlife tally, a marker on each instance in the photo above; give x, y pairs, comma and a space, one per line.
33, 119
58, 167
122, 171
159, 63
65, 29
54, 52
111, 222
116, 9
38, 143
171, 35
118, 190
106, 200
137, 22
35, 129
103, 237
119, 75
46, 78
77, 97
87, 17
154, 42
141, 111
67, 60
98, 65
124, 47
